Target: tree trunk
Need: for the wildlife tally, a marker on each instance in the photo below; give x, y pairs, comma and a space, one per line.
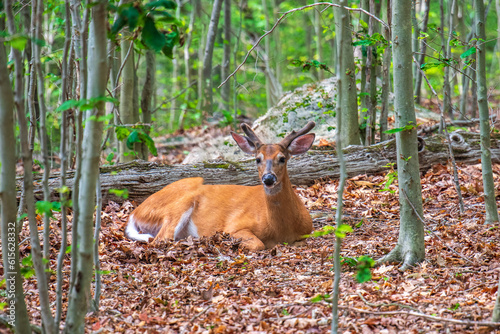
386, 76
496, 309
423, 48
349, 103
44, 138
175, 76
147, 96
226, 57
267, 49
410, 248
372, 76
445, 47
207, 58
17, 313
363, 96
484, 123
36, 249
277, 41
79, 293
318, 30
144, 178
127, 94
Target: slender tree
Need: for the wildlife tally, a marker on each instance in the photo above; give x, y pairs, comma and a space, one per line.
386, 78
17, 314
127, 115
79, 294
147, 96
410, 248
349, 104
496, 309
422, 49
484, 120
48, 324
226, 56
208, 56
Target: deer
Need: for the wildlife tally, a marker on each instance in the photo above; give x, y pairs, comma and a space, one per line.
262, 216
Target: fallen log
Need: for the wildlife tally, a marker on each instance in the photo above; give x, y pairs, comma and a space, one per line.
142, 178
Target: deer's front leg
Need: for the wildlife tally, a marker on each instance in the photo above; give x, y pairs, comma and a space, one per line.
249, 240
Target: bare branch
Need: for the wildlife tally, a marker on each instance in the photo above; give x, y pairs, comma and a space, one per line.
285, 14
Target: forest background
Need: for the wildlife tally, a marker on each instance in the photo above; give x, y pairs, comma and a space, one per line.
107, 82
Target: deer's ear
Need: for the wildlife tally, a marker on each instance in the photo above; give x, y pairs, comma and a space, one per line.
244, 143
301, 144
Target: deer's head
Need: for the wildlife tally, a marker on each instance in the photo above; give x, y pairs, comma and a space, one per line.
271, 159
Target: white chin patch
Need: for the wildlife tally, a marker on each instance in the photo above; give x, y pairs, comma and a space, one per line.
273, 190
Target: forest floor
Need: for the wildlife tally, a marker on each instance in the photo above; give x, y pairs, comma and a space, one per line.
212, 285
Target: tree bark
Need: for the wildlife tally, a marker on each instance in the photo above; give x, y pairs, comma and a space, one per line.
484, 123
26, 153
147, 97
207, 59
144, 178
423, 48
226, 57
17, 313
386, 77
79, 294
410, 248
127, 93
349, 103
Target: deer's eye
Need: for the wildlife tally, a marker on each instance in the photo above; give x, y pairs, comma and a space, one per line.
282, 160
258, 160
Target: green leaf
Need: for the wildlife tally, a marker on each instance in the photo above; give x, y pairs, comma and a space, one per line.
363, 24
172, 39
167, 4
110, 157
365, 263
44, 208
427, 66
2, 306
131, 15
150, 144
27, 261
123, 193
151, 37
341, 231
68, 104
319, 298
407, 127
133, 138
18, 42
27, 272
118, 25
122, 132
68, 249
468, 53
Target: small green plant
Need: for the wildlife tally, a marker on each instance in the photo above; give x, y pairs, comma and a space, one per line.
123, 193
389, 178
364, 265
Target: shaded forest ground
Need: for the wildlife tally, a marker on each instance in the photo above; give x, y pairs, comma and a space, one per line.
212, 285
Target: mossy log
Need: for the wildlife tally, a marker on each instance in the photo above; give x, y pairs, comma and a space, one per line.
142, 178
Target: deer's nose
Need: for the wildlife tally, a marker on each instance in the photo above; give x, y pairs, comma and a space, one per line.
269, 179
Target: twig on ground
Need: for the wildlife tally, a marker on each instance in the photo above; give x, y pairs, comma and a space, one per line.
385, 304
425, 316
